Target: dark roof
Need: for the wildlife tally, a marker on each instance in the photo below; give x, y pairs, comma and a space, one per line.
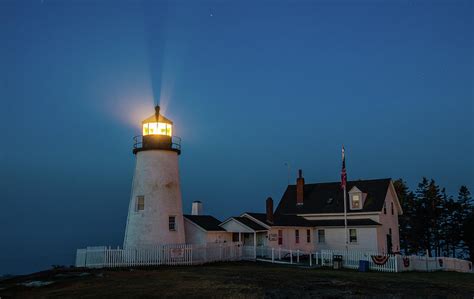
249, 223
340, 222
207, 222
329, 198
282, 220
161, 119
293, 220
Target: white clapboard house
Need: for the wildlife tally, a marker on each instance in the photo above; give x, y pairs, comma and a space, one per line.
313, 219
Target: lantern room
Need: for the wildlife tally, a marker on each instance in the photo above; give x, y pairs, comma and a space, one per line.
157, 126
157, 133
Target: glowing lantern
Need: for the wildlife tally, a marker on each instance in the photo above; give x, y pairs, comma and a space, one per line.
157, 135
157, 124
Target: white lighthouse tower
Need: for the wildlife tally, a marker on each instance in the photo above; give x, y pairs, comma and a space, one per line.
155, 215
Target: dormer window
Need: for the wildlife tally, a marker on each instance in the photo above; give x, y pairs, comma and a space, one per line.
356, 199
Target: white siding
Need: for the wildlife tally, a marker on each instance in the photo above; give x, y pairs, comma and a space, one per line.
157, 179
335, 238
194, 235
235, 226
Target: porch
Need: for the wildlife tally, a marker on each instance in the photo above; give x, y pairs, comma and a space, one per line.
246, 232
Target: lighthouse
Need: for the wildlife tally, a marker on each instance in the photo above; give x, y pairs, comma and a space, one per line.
155, 215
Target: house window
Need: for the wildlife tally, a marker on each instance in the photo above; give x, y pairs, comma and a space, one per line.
280, 237
308, 236
352, 235
297, 236
235, 237
321, 236
390, 231
356, 201
384, 208
172, 223
391, 205
140, 203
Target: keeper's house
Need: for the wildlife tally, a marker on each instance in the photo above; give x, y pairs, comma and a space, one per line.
311, 217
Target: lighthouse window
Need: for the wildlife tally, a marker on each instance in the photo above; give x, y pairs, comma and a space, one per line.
157, 129
172, 223
140, 206
164, 129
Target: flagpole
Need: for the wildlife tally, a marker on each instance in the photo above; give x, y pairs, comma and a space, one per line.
344, 183
345, 218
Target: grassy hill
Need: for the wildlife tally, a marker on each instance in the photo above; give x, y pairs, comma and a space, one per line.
240, 279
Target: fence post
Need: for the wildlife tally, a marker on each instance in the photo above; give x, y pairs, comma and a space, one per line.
297, 255
273, 255
426, 262
310, 259
279, 253
291, 256
104, 258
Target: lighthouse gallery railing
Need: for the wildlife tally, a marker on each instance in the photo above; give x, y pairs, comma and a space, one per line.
175, 142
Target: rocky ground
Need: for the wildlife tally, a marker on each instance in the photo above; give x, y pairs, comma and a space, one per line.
236, 280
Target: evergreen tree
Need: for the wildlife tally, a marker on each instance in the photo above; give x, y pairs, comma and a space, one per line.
408, 229
434, 221
468, 229
422, 215
463, 214
429, 213
436, 210
449, 231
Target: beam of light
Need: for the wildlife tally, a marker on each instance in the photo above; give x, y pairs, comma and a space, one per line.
151, 82
153, 79
164, 49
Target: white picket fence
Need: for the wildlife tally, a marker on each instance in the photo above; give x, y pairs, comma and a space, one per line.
430, 264
180, 254
192, 254
351, 259
286, 256
396, 263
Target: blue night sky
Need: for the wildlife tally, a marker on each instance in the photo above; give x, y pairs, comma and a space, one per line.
249, 86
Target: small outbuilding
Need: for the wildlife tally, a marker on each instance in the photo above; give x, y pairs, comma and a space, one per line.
204, 229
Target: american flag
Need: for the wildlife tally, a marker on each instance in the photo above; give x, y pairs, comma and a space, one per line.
343, 171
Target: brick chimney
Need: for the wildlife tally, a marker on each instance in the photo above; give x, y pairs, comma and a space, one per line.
299, 188
269, 205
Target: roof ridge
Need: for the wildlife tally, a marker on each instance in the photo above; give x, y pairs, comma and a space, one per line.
350, 181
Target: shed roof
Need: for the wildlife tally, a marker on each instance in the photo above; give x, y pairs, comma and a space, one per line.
161, 119
282, 220
206, 222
